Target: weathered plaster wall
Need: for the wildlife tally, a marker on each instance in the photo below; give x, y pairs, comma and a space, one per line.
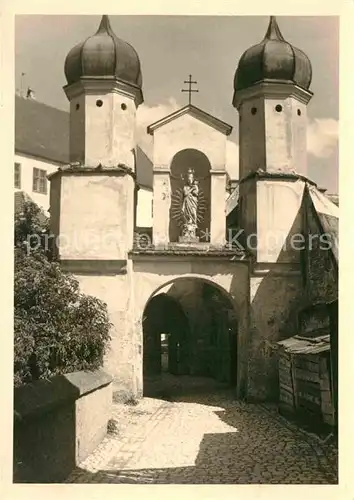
96, 217
187, 132
102, 134
271, 219
123, 355
271, 140
285, 135
252, 152
77, 135
274, 305
161, 207
58, 423
279, 220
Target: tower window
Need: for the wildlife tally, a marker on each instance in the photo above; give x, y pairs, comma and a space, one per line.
99, 103
39, 181
123, 106
253, 111
299, 112
17, 179
278, 108
77, 106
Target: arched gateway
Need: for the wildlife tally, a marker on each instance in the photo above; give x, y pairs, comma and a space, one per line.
201, 305
93, 207
190, 328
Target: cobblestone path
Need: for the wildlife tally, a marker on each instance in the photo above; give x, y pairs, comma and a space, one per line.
208, 439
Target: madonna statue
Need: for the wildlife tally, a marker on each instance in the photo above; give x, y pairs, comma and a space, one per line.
190, 205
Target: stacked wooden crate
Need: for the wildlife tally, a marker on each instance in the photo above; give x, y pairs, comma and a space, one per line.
305, 379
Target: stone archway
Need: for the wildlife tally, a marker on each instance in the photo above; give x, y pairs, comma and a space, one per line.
202, 326
164, 315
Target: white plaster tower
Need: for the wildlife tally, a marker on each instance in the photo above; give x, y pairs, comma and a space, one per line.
271, 93
93, 200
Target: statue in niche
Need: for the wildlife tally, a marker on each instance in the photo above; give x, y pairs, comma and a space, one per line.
190, 206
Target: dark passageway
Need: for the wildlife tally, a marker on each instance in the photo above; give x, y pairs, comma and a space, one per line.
190, 339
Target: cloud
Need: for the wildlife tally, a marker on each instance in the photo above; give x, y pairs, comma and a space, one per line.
150, 114
322, 137
146, 115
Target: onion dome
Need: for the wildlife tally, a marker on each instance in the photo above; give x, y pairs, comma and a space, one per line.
103, 55
273, 59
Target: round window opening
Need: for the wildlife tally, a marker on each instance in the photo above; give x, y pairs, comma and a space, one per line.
299, 112
77, 106
253, 111
278, 108
123, 106
99, 103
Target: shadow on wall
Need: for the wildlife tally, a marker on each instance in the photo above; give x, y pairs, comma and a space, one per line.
44, 431
58, 423
275, 298
299, 278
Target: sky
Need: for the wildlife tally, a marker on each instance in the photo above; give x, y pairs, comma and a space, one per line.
208, 47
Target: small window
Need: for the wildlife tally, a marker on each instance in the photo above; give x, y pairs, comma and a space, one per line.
39, 181
17, 180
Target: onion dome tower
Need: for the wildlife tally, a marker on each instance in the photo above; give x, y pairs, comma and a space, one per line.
104, 87
271, 92
103, 55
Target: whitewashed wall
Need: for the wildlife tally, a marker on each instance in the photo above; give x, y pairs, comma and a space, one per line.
28, 163
144, 213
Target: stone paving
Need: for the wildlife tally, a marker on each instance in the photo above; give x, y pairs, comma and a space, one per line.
206, 439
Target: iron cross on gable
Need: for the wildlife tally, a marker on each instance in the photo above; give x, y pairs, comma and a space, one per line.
190, 90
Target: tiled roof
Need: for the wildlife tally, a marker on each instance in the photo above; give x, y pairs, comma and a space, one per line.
328, 217
43, 132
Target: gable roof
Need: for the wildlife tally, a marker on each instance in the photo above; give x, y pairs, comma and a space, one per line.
42, 131
327, 214
198, 113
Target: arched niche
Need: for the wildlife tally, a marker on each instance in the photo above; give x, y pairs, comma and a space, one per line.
181, 163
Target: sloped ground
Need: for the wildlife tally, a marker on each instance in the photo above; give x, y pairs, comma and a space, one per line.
206, 437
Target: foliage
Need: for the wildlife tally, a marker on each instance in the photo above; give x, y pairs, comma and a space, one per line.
57, 328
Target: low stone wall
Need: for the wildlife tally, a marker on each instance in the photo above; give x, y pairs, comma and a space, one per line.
58, 423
